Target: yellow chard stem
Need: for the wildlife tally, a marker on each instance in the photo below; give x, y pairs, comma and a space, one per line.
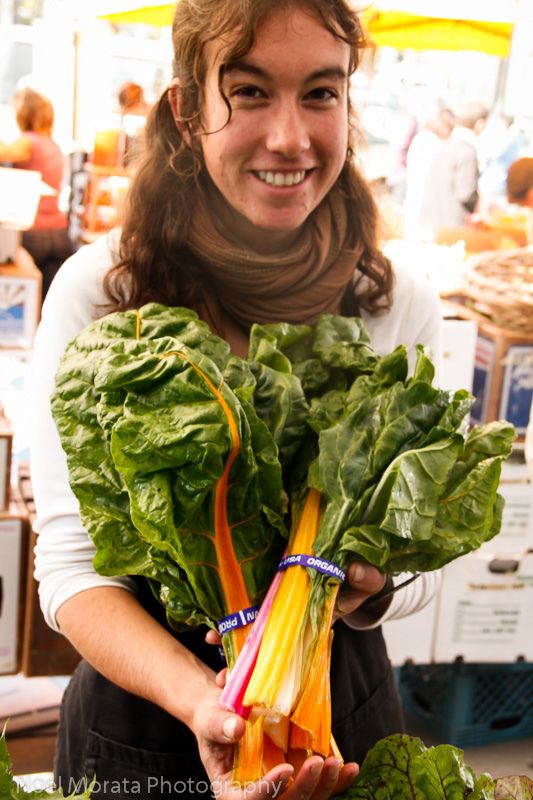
286, 615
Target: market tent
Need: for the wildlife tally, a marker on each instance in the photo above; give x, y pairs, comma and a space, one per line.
483, 25
159, 15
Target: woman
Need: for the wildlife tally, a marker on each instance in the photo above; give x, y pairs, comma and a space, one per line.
247, 207
48, 241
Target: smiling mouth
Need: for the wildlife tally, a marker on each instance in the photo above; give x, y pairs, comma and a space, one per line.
282, 178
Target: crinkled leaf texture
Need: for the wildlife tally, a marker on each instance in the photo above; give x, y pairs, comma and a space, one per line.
405, 489
149, 406
10, 790
400, 767
514, 787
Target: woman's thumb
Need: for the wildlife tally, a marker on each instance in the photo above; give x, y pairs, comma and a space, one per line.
229, 728
233, 728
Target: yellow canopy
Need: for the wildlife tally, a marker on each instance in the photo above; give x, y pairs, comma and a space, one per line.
484, 25
150, 15
401, 27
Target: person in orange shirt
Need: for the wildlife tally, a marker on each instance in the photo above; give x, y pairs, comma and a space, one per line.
48, 241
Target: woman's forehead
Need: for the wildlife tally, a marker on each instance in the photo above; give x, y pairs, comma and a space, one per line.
277, 26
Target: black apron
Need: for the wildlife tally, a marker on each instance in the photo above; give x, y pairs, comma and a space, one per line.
135, 748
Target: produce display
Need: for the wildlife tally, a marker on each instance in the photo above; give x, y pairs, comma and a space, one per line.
401, 767
397, 768
235, 485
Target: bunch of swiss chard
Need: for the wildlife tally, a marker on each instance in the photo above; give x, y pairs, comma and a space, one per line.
403, 768
182, 456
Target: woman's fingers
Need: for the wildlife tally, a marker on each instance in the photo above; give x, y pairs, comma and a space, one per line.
347, 775
320, 779
212, 637
362, 581
221, 677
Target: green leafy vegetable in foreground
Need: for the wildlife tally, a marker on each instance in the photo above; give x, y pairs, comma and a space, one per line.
406, 488
182, 456
177, 476
402, 768
10, 790
168, 435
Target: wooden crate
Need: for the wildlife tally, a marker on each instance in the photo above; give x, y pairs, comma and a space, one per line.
6, 447
44, 652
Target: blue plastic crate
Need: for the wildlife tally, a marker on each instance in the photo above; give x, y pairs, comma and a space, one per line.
470, 704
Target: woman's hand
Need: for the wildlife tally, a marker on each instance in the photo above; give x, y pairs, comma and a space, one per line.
362, 581
217, 731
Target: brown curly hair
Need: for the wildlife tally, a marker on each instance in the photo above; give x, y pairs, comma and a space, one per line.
155, 262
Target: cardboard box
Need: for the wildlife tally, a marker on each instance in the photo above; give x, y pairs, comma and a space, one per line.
6, 448
13, 561
20, 302
503, 372
484, 609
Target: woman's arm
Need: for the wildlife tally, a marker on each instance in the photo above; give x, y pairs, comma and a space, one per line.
16, 152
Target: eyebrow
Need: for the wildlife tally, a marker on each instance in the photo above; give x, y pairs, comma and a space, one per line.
241, 65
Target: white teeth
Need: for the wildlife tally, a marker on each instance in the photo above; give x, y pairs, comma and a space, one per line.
281, 178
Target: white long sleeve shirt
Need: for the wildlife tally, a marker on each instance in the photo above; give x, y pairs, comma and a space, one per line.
64, 552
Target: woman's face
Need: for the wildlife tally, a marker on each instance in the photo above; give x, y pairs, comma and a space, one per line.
287, 139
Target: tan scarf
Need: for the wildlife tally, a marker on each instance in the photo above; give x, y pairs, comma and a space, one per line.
295, 286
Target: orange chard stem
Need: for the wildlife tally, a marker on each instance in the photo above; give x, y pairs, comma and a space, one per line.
313, 712
248, 757
334, 749
299, 738
272, 755
248, 751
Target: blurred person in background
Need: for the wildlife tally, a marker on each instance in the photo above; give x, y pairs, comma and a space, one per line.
48, 241
451, 188
520, 190
422, 150
500, 144
133, 111
131, 100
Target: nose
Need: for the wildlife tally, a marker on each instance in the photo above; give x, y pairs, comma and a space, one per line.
288, 132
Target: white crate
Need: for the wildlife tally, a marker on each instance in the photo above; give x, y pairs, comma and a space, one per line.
411, 638
484, 615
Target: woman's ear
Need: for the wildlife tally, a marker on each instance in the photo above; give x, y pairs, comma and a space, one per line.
176, 99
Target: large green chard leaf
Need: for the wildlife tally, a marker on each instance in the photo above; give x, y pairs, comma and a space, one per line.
278, 396
171, 444
146, 443
401, 767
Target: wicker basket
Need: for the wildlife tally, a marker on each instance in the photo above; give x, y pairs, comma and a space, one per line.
499, 284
